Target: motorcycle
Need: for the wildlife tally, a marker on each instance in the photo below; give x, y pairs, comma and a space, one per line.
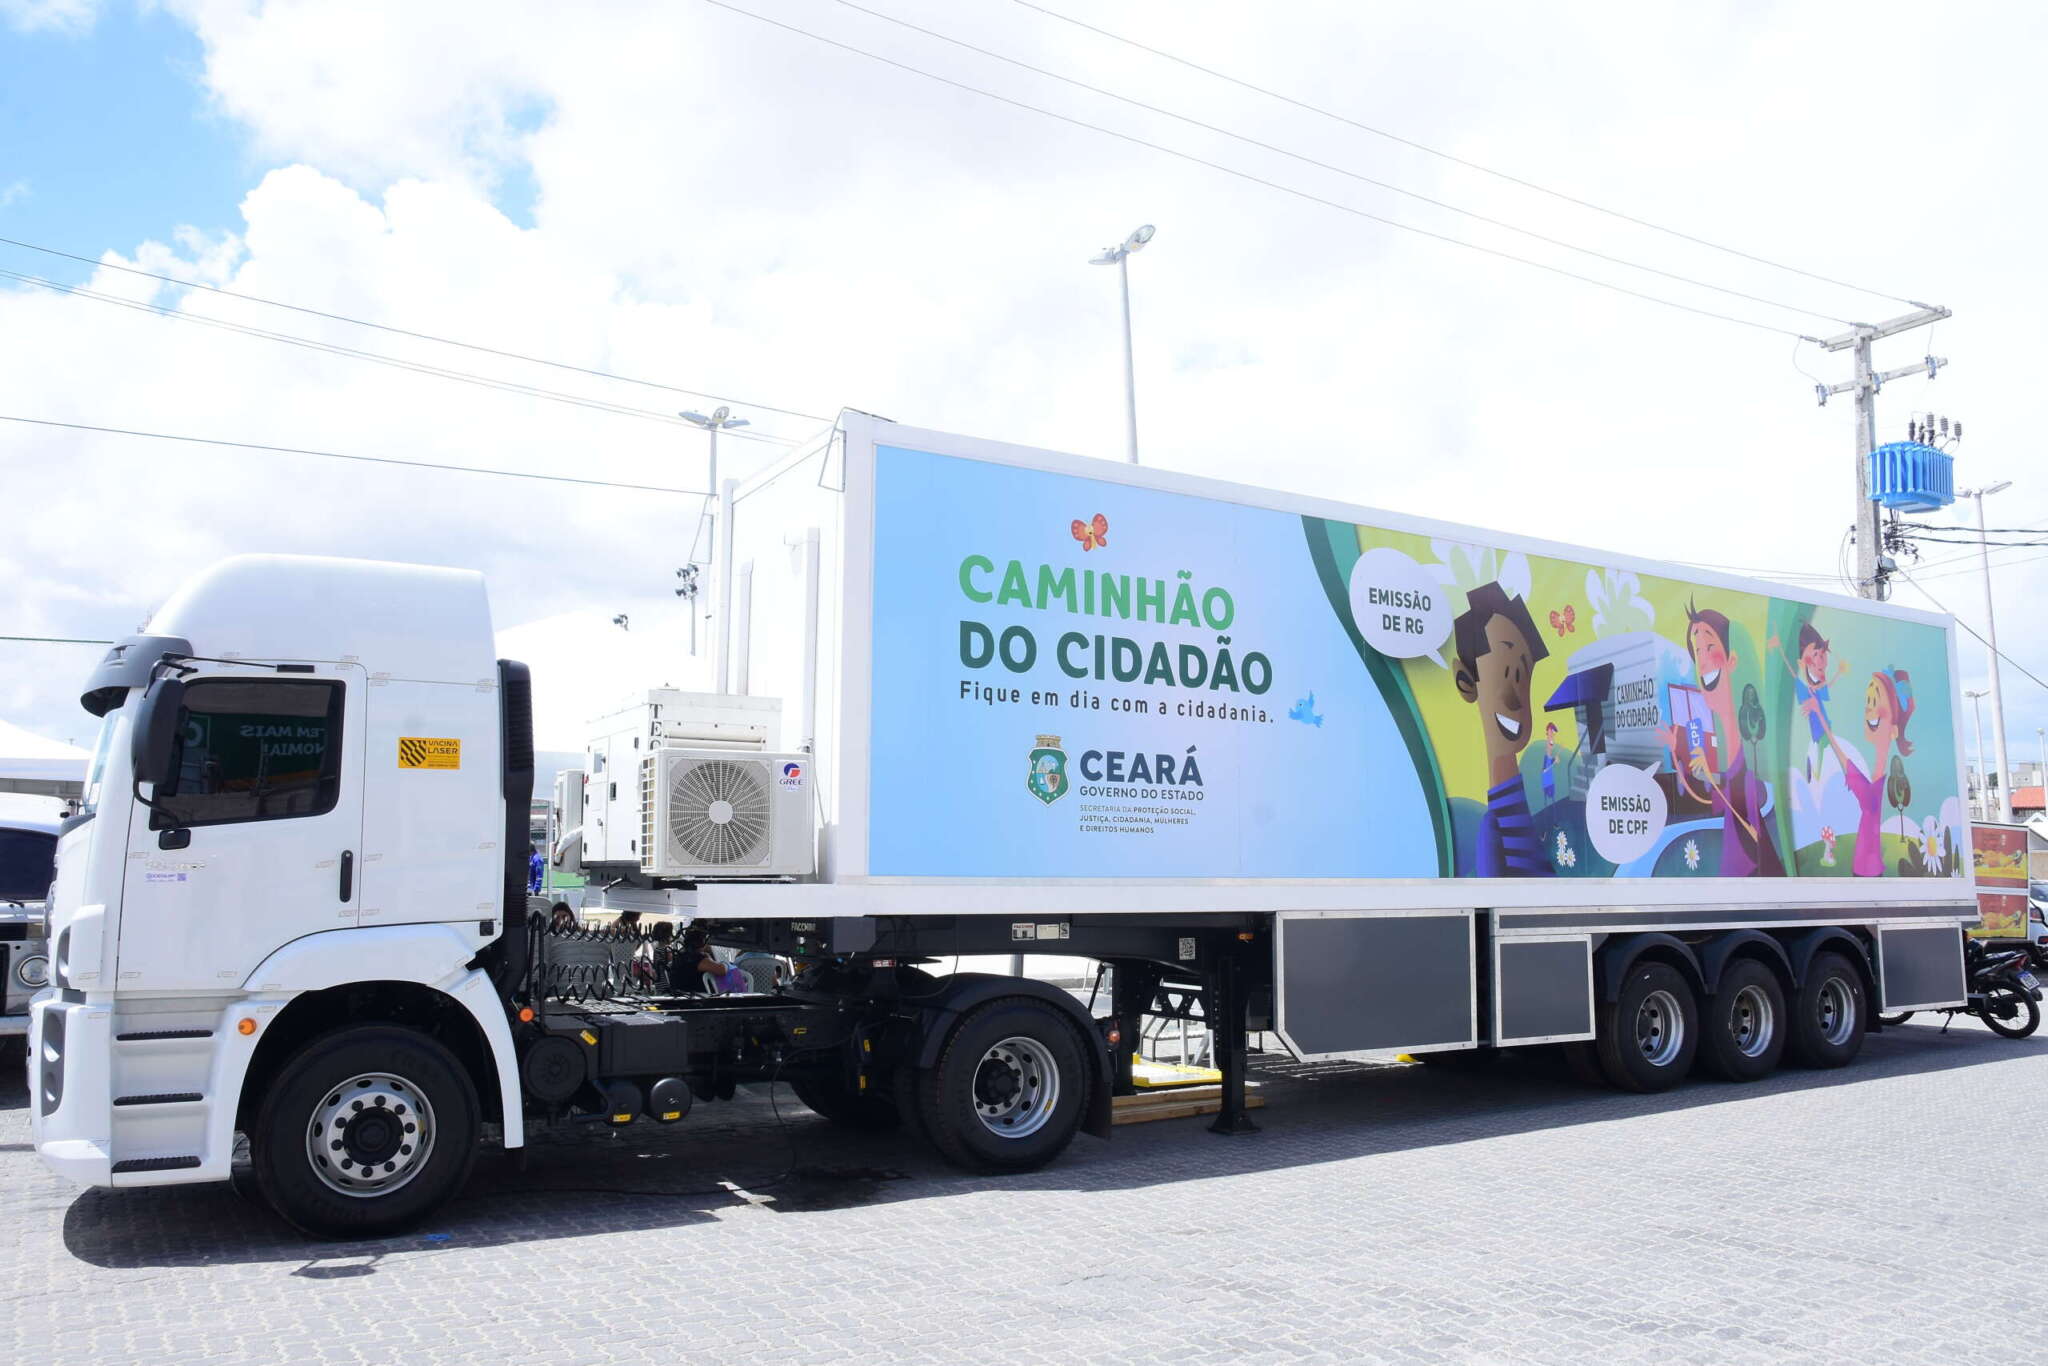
2003, 990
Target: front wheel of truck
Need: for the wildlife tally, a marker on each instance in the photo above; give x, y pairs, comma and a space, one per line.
1008, 1090
365, 1132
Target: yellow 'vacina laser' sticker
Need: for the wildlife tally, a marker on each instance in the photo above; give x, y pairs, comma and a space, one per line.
424, 751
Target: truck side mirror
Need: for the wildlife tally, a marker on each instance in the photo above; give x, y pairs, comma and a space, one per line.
156, 730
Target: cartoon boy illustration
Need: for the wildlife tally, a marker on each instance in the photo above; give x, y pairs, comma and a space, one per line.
1498, 648
1810, 682
1747, 849
1549, 763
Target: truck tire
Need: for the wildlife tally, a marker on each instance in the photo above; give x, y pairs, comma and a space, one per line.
1829, 1014
1743, 1033
1008, 1090
870, 1112
1650, 1033
364, 1132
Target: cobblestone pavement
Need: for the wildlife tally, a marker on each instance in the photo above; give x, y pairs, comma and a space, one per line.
1402, 1214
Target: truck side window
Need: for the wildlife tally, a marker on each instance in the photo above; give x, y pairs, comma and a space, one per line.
254, 750
28, 860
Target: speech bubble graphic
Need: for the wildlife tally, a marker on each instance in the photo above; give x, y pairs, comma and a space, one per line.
1625, 812
1400, 608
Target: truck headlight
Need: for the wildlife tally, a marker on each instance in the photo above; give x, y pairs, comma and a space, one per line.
33, 971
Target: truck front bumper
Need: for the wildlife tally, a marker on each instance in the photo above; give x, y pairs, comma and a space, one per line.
69, 1115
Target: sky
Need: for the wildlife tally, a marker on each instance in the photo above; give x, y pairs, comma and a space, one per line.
686, 194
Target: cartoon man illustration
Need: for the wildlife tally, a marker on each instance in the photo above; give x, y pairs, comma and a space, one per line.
1810, 682
1747, 849
1498, 649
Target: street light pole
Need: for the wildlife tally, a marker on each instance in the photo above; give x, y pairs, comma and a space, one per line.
1977, 707
721, 537
2003, 809
1120, 257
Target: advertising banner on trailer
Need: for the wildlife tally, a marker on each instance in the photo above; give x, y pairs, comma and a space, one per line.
1082, 677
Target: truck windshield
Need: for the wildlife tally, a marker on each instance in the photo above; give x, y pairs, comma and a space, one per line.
96, 767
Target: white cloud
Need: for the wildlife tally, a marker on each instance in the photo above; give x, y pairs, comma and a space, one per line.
727, 206
61, 16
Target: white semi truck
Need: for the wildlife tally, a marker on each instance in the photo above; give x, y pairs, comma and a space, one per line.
1373, 783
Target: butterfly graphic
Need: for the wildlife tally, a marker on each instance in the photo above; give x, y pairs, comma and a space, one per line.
1092, 533
1564, 622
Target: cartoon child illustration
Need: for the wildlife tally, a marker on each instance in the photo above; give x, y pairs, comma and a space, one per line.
1549, 763
1498, 648
1887, 706
1811, 680
1747, 849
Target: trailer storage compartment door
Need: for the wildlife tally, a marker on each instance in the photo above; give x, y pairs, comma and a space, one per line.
1542, 988
1374, 981
1920, 967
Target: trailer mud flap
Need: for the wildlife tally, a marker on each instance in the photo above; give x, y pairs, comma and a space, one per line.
1352, 982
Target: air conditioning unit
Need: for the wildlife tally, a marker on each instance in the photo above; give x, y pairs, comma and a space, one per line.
708, 813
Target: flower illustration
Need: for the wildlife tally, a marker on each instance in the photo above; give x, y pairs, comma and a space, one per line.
1615, 597
1692, 856
1463, 567
1567, 857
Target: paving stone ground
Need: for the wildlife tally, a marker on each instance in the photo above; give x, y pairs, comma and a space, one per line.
1408, 1214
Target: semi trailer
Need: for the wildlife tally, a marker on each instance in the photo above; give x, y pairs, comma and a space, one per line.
1372, 783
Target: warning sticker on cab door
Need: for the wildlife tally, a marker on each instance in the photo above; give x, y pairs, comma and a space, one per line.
425, 751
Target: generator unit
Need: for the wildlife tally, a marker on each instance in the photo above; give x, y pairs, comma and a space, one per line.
687, 786
716, 813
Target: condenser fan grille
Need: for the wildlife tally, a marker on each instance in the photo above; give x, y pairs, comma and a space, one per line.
718, 812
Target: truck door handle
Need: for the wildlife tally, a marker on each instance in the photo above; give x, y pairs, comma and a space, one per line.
348, 874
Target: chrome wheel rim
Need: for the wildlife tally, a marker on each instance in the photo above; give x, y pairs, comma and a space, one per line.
1660, 1028
1751, 1022
1836, 1011
1016, 1086
370, 1135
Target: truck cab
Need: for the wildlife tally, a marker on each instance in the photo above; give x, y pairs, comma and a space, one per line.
300, 785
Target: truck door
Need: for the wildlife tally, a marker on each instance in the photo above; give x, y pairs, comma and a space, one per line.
257, 840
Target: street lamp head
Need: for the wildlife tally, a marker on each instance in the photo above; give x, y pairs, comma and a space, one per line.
1110, 256
1139, 237
2000, 487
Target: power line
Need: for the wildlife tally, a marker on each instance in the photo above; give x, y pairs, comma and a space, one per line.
1247, 175
1461, 161
2001, 564
375, 357
1973, 631
408, 332
364, 459
1339, 170
55, 640
1761, 572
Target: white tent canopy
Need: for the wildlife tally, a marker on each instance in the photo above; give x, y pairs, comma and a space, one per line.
28, 758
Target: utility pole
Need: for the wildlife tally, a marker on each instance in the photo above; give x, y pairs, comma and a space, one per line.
1977, 706
721, 540
2003, 808
1870, 571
